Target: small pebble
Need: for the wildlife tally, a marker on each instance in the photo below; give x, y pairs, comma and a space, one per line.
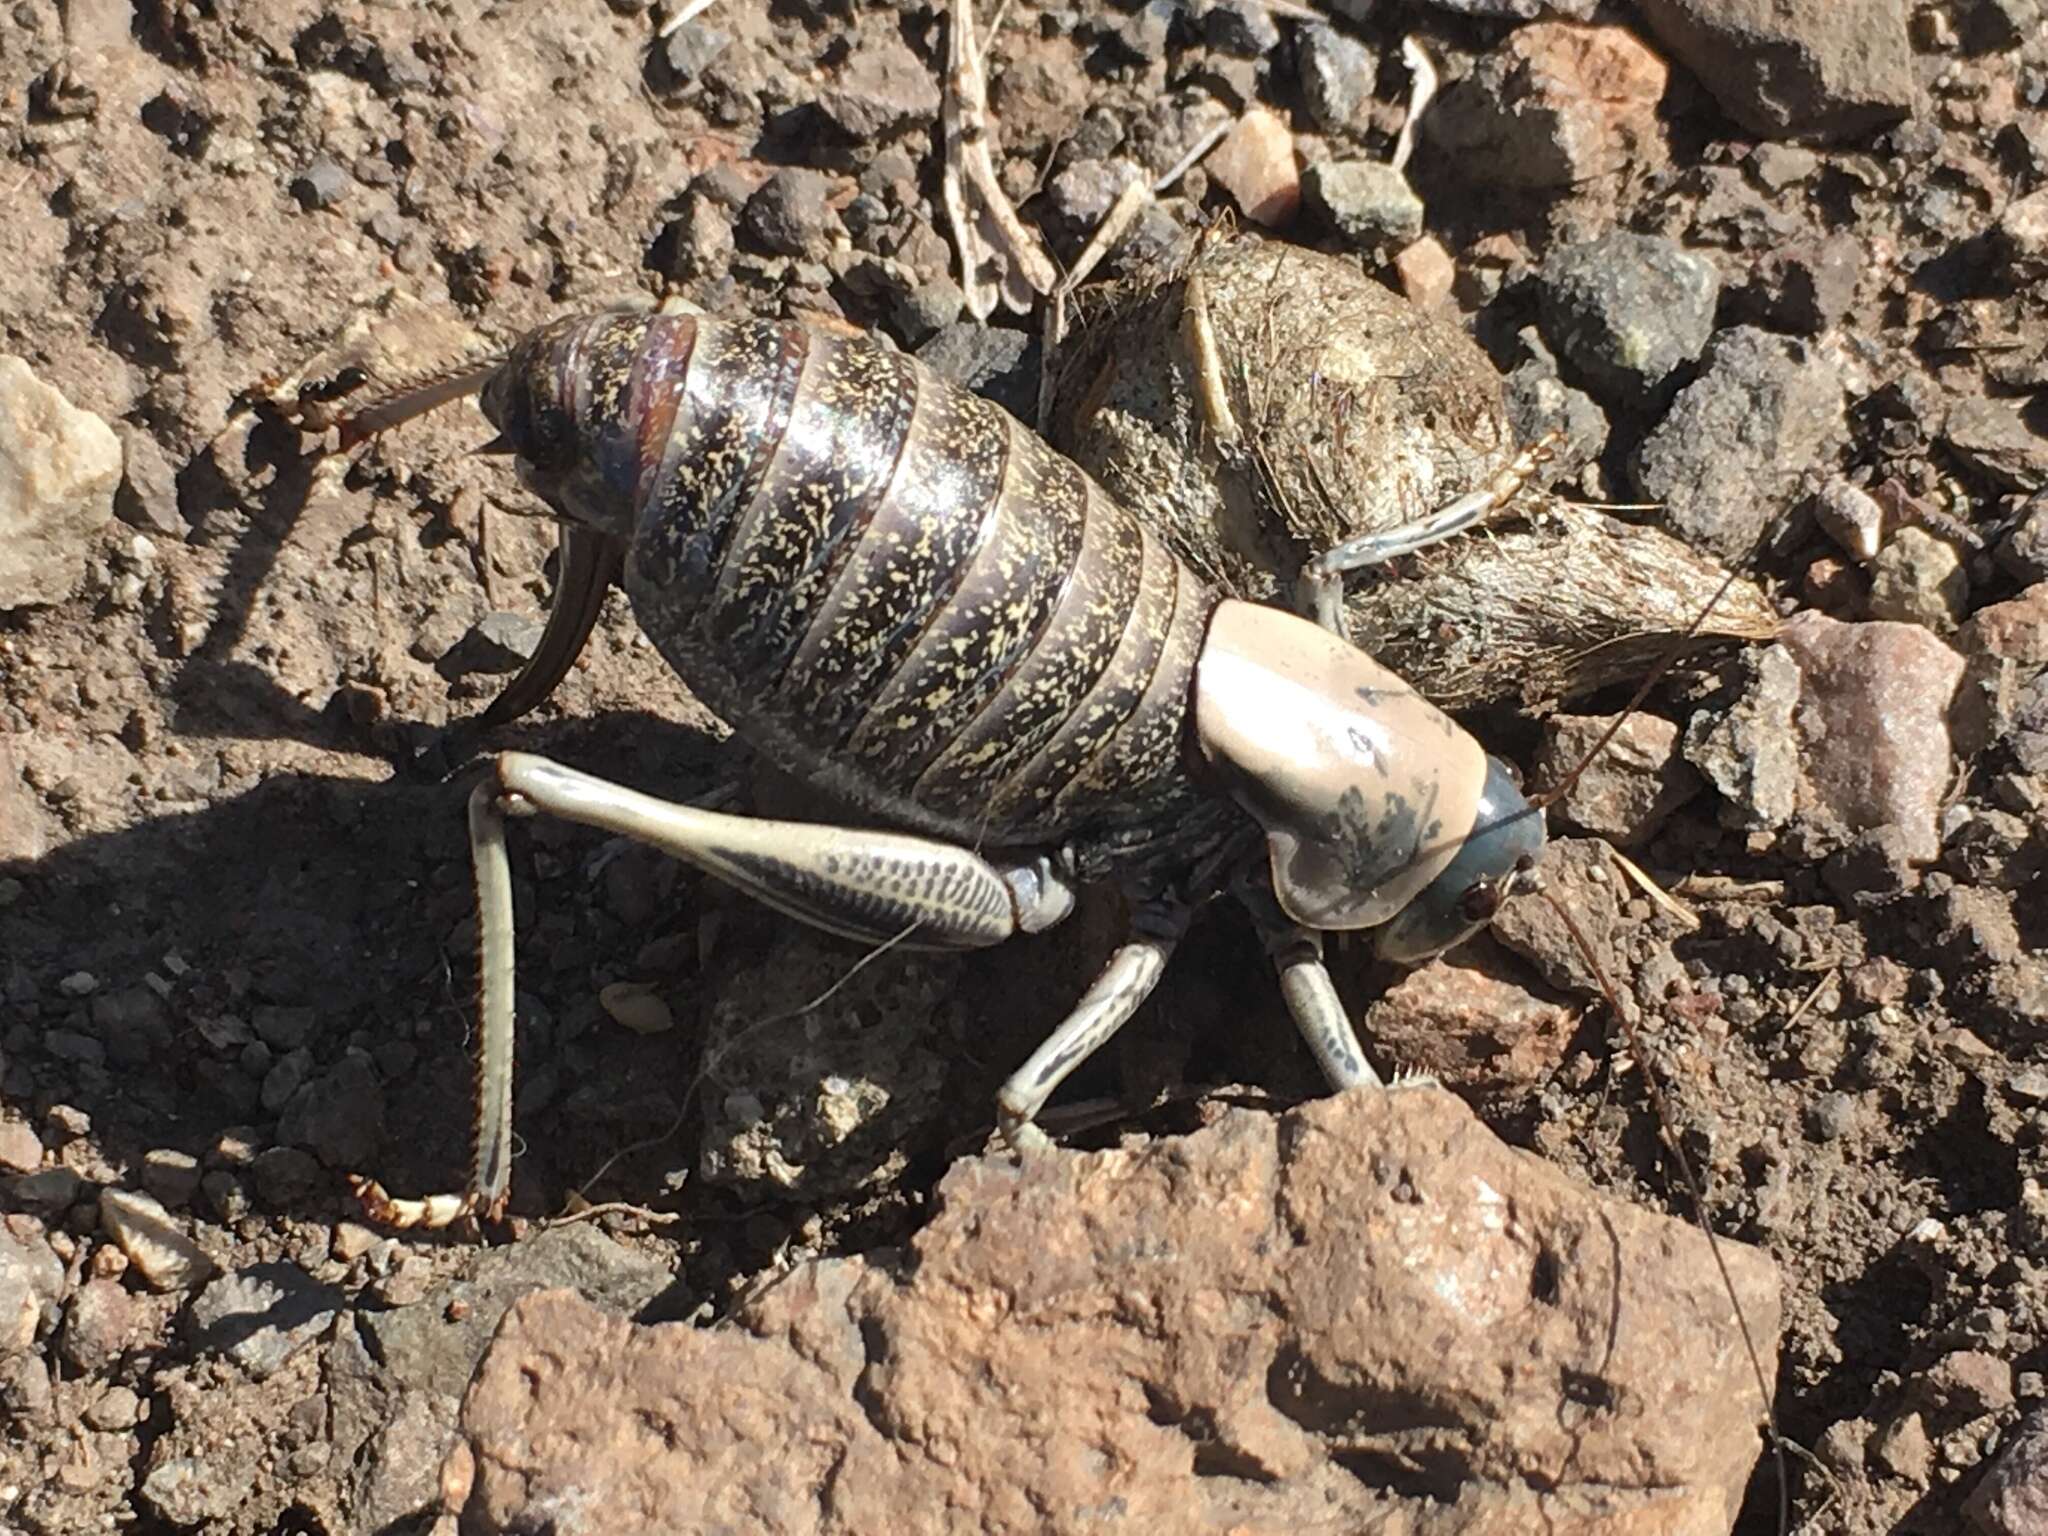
116, 1408
1850, 516
1918, 579
171, 1176
21, 1150
636, 1005
1255, 164
321, 184
1337, 74
1832, 1116
161, 1254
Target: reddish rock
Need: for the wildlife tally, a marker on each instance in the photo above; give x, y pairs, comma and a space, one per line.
1581, 875
1426, 271
1558, 105
1255, 164
1626, 793
1873, 729
2005, 650
1472, 1030
1369, 1313
2017, 630
1783, 68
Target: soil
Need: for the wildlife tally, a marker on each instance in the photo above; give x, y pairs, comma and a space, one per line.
235, 930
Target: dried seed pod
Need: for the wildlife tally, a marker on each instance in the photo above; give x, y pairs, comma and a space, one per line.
1267, 402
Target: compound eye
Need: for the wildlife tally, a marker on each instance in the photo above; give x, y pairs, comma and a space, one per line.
1480, 902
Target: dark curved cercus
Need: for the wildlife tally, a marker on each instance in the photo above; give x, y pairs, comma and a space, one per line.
589, 564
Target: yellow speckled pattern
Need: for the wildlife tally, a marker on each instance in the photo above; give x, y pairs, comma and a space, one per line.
887, 584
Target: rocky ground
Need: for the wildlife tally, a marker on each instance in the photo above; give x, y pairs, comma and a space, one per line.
1780, 279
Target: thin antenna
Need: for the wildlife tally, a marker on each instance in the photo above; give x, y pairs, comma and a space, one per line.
1665, 663
1698, 1193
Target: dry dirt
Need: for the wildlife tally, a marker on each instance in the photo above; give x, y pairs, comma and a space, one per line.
235, 931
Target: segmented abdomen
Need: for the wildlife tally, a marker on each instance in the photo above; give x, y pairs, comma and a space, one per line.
889, 585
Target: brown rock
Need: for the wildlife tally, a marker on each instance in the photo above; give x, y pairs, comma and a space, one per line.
2017, 630
1580, 873
1472, 1030
1255, 164
101, 1322
2005, 650
1426, 271
1368, 1313
1811, 68
1558, 105
1967, 1383
1624, 794
1873, 726
1902, 1449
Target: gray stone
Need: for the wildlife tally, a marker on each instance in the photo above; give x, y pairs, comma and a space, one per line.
1748, 752
74, 1046
284, 1029
321, 184
1852, 517
1833, 1116
102, 1322
993, 361
339, 1115
401, 1463
58, 470
284, 1175
2024, 552
690, 50
1539, 403
1918, 579
1990, 437
1738, 443
1366, 202
500, 642
47, 1189
133, 1025
697, 243
880, 87
262, 1316
284, 1076
433, 1345
1244, 28
1082, 192
926, 307
1627, 310
171, 1176
189, 1492
1337, 75
1794, 68
147, 497
789, 215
